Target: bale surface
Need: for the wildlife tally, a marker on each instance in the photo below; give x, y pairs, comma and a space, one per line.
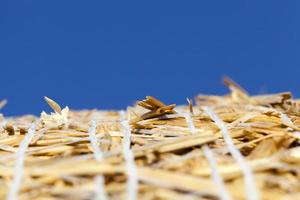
179, 152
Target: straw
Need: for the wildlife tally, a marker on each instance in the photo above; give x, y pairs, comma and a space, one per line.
241, 147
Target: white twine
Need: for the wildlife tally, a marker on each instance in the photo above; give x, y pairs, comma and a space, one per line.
99, 180
224, 195
132, 182
122, 115
3, 123
190, 122
250, 187
100, 191
19, 164
188, 119
93, 139
297, 135
286, 119
217, 179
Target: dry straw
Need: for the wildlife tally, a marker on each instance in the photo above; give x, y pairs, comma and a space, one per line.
235, 146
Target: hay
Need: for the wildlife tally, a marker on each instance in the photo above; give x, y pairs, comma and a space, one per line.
225, 147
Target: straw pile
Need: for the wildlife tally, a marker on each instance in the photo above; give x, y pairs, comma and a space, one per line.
224, 147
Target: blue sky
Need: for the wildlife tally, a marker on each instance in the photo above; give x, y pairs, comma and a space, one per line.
105, 55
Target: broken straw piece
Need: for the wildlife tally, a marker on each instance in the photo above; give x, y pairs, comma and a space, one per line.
58, 118
3, 103
250, 187
53, 105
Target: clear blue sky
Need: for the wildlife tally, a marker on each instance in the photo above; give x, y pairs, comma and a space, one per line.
90, 54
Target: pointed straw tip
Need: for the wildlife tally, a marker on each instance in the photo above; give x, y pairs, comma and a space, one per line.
53, 104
